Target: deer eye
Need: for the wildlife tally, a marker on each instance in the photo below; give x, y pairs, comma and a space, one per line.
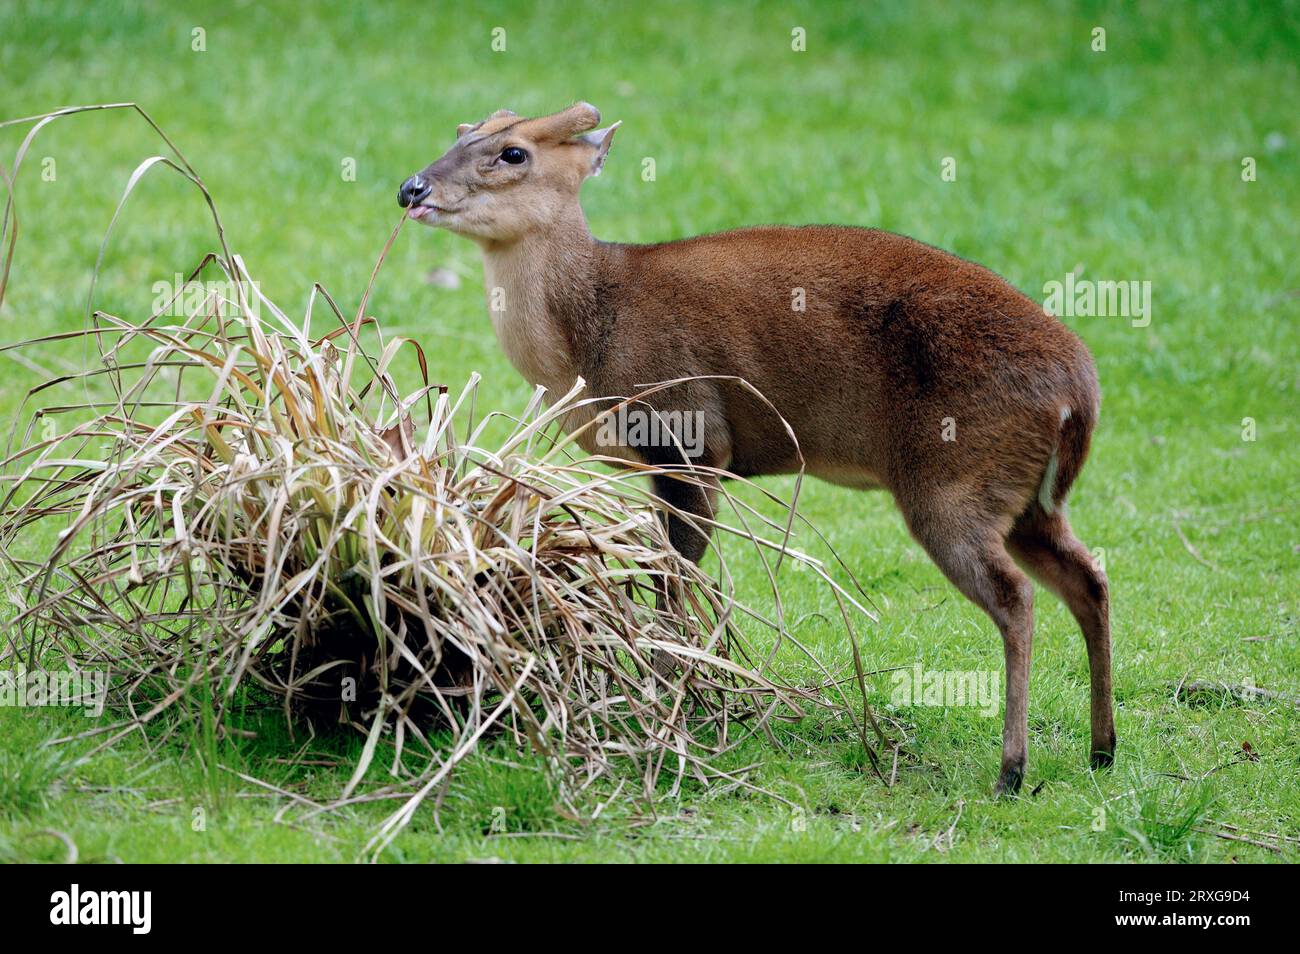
514, 155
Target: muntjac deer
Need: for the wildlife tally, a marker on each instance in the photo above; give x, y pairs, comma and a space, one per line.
897, 366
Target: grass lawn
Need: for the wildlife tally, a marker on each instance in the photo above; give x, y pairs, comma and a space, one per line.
1123, 164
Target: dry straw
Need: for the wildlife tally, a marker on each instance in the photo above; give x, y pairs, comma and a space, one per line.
228, 507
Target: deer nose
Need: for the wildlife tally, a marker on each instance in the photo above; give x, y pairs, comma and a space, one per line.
412, 191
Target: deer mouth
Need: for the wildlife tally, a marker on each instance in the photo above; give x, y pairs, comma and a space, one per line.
425, 211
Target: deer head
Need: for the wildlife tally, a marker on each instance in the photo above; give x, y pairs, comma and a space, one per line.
508, 176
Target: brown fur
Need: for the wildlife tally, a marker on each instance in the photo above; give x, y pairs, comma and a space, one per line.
898, 341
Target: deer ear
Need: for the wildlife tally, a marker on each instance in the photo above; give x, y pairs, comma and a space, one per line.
599, 139
468, 127
563, 125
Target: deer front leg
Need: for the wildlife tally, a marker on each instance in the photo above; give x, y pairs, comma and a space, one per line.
686, 497
687, 505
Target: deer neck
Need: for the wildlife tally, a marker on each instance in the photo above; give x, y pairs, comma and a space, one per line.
541, 298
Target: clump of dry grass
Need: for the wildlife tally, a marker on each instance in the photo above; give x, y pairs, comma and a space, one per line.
236, 503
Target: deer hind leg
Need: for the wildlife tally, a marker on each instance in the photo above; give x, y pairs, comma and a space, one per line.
971, 553
1046, 546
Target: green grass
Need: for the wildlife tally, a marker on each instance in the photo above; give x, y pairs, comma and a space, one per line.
1126, 162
